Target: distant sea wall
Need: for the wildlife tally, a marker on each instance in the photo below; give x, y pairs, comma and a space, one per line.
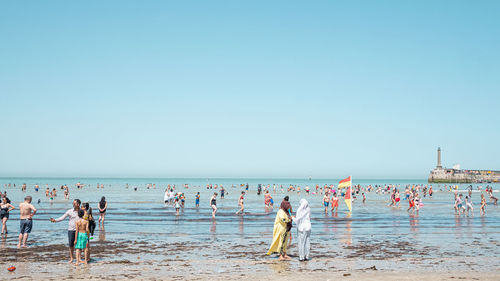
443, 175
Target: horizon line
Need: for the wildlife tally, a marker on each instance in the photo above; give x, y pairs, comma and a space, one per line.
208, 178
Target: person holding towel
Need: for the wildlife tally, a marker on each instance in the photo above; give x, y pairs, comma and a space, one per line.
303, 221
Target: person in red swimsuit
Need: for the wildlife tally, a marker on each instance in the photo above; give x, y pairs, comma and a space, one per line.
335, 202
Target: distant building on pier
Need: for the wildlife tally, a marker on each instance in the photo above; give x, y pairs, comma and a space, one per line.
457, 175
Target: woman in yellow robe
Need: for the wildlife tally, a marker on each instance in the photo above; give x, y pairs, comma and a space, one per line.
281, 234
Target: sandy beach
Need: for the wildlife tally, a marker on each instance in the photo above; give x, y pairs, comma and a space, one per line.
143, 261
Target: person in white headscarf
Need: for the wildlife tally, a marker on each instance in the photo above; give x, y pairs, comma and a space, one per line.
303, 221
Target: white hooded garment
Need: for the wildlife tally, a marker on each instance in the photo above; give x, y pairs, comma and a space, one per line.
303, 216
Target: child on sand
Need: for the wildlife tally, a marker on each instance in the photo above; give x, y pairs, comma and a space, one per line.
82, 229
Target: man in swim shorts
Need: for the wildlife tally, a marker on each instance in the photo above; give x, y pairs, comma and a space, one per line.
27, 212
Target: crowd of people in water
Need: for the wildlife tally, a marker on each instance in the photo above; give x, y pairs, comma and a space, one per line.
82, 224
413, 194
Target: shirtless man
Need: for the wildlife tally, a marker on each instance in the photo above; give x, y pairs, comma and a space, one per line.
26, 223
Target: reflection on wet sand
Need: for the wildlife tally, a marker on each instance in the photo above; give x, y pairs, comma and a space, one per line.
348, 230
280, 266
458, 226
102, 233
213, 228
414, 223
241, 225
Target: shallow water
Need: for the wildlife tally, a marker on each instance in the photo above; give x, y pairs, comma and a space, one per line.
372, 232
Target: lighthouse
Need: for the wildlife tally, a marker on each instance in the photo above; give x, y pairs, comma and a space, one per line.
439, 159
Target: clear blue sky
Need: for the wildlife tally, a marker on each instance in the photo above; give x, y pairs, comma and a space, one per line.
248, 88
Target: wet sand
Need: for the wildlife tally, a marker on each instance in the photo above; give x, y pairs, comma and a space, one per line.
232, 270
141, 260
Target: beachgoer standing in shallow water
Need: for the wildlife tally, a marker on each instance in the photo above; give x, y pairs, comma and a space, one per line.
213, 204
468, 205
303, 221
241, 204
335, 202
5, 208
267, 199
281, 231
27, 212
483, 205
72, 214
197, 200
326, 201
103, 205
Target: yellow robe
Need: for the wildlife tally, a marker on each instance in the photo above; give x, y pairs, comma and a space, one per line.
280, 236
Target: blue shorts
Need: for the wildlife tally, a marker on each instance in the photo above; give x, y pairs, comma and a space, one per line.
326, 204
26, 225
197, 201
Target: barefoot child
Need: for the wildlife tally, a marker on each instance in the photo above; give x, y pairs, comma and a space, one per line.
335, 202
82, 230
326, 201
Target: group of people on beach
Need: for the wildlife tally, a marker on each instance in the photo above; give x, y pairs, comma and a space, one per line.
282, 230
80, 228
413, 194
81, 224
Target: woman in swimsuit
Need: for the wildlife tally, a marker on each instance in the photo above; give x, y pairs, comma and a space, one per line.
483, 205
213, 204
5, 208
103, 205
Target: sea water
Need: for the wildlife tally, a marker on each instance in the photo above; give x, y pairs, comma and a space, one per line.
141, 215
